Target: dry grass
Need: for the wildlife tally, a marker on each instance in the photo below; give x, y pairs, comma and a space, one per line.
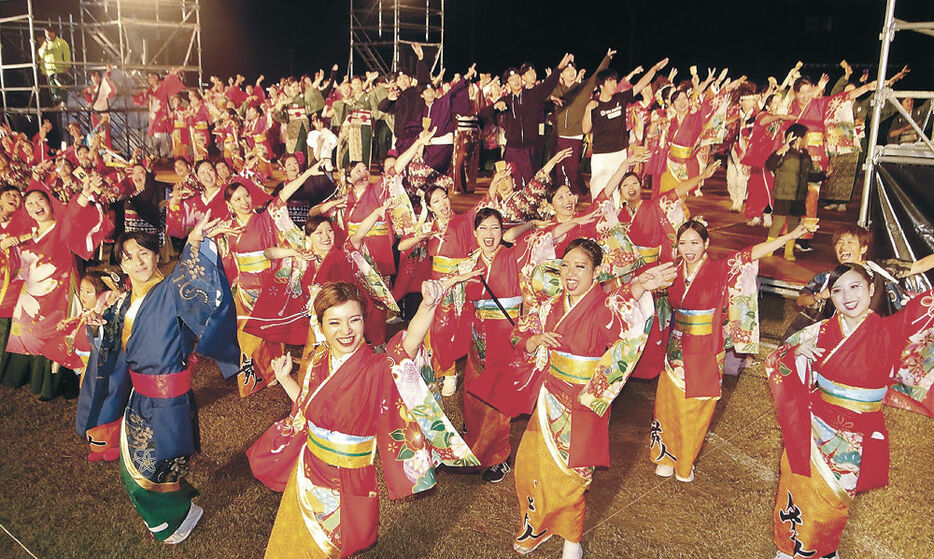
59, 505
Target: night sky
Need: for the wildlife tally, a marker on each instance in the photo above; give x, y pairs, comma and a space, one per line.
753, 37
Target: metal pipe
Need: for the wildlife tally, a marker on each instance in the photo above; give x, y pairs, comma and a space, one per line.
888, 33
35, 65
911, 121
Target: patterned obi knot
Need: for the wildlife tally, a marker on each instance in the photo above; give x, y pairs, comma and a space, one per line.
861, 400
486, 309
339, 449
694, 322
573, 369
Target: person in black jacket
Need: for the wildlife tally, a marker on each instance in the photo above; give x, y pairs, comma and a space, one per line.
523, 110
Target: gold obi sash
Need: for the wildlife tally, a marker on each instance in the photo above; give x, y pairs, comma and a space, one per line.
694, 322
649, 254
573, 369
379, 229
201, 126
251, 262
680, 152
861, 400
340, 450
445, 264
814, 139
486, 309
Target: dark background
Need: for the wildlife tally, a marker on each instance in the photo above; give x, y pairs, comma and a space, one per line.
754, 37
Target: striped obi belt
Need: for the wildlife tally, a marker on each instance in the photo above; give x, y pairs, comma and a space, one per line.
572, 369
649, 255
854, 398
171, 385
486, 309
444, 265
379, 229
680, 153
362, 117
297, 112
339, 449
251, 262
693, 322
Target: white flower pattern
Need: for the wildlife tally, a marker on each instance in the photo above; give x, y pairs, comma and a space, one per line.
39, 282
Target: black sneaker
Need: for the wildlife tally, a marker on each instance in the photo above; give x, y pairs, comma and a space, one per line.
497, 473
804, 246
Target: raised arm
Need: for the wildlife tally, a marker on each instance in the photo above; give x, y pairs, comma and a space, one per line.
768, 247
654, 278
684, 187
646, 78
282, 367
921, 266
406, 157
368, 222
513, 233
292, 186
587, 121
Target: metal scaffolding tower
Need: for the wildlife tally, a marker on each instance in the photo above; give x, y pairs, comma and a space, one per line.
917, 153
130, 37
379, 29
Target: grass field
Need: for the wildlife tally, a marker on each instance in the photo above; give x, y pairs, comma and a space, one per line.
59, 505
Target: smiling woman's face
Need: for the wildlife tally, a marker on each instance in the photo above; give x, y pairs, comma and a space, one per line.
342, 326
851, 294
576, 273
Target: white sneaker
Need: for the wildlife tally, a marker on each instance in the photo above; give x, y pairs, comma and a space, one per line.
449, 385
688, 479
664, 471
572, 550
194, 515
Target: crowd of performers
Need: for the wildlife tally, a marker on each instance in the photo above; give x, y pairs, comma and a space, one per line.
283, 238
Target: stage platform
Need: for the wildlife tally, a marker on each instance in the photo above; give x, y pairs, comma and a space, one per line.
729, 232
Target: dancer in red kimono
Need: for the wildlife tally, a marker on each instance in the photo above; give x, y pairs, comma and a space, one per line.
156, 96
652, 226
586, 342
199, 120
186, 208
676, 158
14, 227
257, 223
48, 270
350, 402
819, 113
714, 304
305, 267
828, 382
497, 385
181, 137
450, 241
764, 140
